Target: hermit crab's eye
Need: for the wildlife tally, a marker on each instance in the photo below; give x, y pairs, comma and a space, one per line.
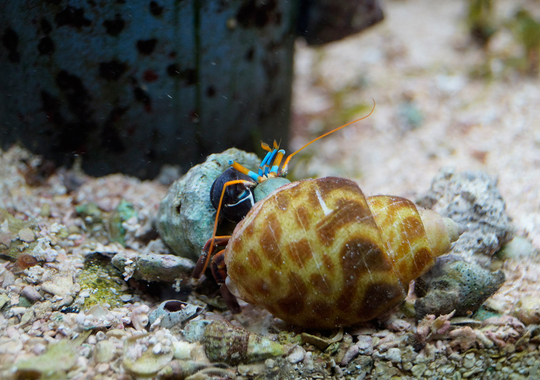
238, 198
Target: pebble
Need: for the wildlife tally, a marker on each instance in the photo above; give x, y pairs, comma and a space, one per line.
472, 372
85, 351
468, 360
297, 355
182, 350
13, 332
251, 369
17, 310
102, 367
365, 345
351, 353
82, 363
157, 349
26, 235
31, 293
418, 369
270, 363
394, 355
104, 351
308, 361
39, 348
9, 279
100, 335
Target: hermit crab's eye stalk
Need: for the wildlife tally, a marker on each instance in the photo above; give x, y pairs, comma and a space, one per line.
238, 198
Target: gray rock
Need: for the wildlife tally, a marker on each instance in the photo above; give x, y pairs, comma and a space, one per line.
472, 200
186, 216
155, 266
453, 284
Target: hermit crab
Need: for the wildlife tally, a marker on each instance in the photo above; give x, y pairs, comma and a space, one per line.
318, 253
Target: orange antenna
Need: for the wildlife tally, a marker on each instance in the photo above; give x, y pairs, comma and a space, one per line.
286, 164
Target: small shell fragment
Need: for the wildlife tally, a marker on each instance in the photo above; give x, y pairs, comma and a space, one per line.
174, 312
224, 342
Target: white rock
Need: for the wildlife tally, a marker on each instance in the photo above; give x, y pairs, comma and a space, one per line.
182, 350
394, 355
157, 349
297, 355
31, 293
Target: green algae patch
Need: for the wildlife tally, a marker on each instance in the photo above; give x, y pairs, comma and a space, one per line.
89, 212
102, 281
53, 364
122, 213
16, 236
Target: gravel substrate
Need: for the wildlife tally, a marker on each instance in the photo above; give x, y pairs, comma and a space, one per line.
65, 312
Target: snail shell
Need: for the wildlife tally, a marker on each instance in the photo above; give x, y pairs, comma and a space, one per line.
318, 254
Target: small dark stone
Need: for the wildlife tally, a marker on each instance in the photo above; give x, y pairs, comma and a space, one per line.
70, 309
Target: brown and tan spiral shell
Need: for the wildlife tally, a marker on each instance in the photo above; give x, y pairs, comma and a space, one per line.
318, 254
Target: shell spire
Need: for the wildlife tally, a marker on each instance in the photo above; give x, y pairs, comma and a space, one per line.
414, 238
441, 232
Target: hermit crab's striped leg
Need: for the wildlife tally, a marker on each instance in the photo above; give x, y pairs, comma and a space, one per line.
219, 271
206, 252
264, 167
246, 171
267, 158
202, 263
284, 169
277, 162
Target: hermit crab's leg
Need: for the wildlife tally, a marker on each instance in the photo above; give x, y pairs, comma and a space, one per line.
197, 272
264, 167
217, 241
246, 171
277, 161
219, 270
266, 160
285, 167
